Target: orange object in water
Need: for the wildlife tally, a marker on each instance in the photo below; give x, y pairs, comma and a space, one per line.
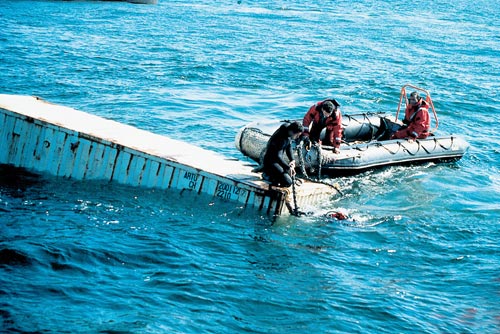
337, 215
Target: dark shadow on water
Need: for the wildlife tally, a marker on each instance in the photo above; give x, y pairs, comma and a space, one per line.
12, 257
16, 180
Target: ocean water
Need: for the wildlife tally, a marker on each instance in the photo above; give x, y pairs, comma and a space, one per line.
421, 253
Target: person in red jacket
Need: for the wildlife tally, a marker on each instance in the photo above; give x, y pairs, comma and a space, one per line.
324, 114
417, 122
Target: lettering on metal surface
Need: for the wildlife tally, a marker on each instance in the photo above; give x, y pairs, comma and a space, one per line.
192, 178
228, 191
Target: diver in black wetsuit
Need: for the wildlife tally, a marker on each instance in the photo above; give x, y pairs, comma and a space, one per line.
275, 168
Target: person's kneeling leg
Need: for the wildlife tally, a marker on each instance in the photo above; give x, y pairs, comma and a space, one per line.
286, 180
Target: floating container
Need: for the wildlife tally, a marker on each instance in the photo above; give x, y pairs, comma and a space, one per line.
64, 142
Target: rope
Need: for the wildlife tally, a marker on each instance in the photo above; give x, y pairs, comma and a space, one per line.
367, 121
296, 211
388, 150
366, 148
303, 171
449, 148
366, 116
320, 160
302, 166
408, 151
423, 147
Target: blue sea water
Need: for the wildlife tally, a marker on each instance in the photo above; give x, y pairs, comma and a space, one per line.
422, 254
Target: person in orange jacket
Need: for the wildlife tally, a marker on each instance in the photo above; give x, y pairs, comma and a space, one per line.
417, 122
324, 114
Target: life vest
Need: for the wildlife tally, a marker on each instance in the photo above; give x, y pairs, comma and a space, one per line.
314, 122
417, 122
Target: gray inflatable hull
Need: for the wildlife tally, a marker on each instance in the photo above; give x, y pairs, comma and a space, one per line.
364, 146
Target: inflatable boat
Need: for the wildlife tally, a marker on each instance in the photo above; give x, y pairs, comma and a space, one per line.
365, 144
